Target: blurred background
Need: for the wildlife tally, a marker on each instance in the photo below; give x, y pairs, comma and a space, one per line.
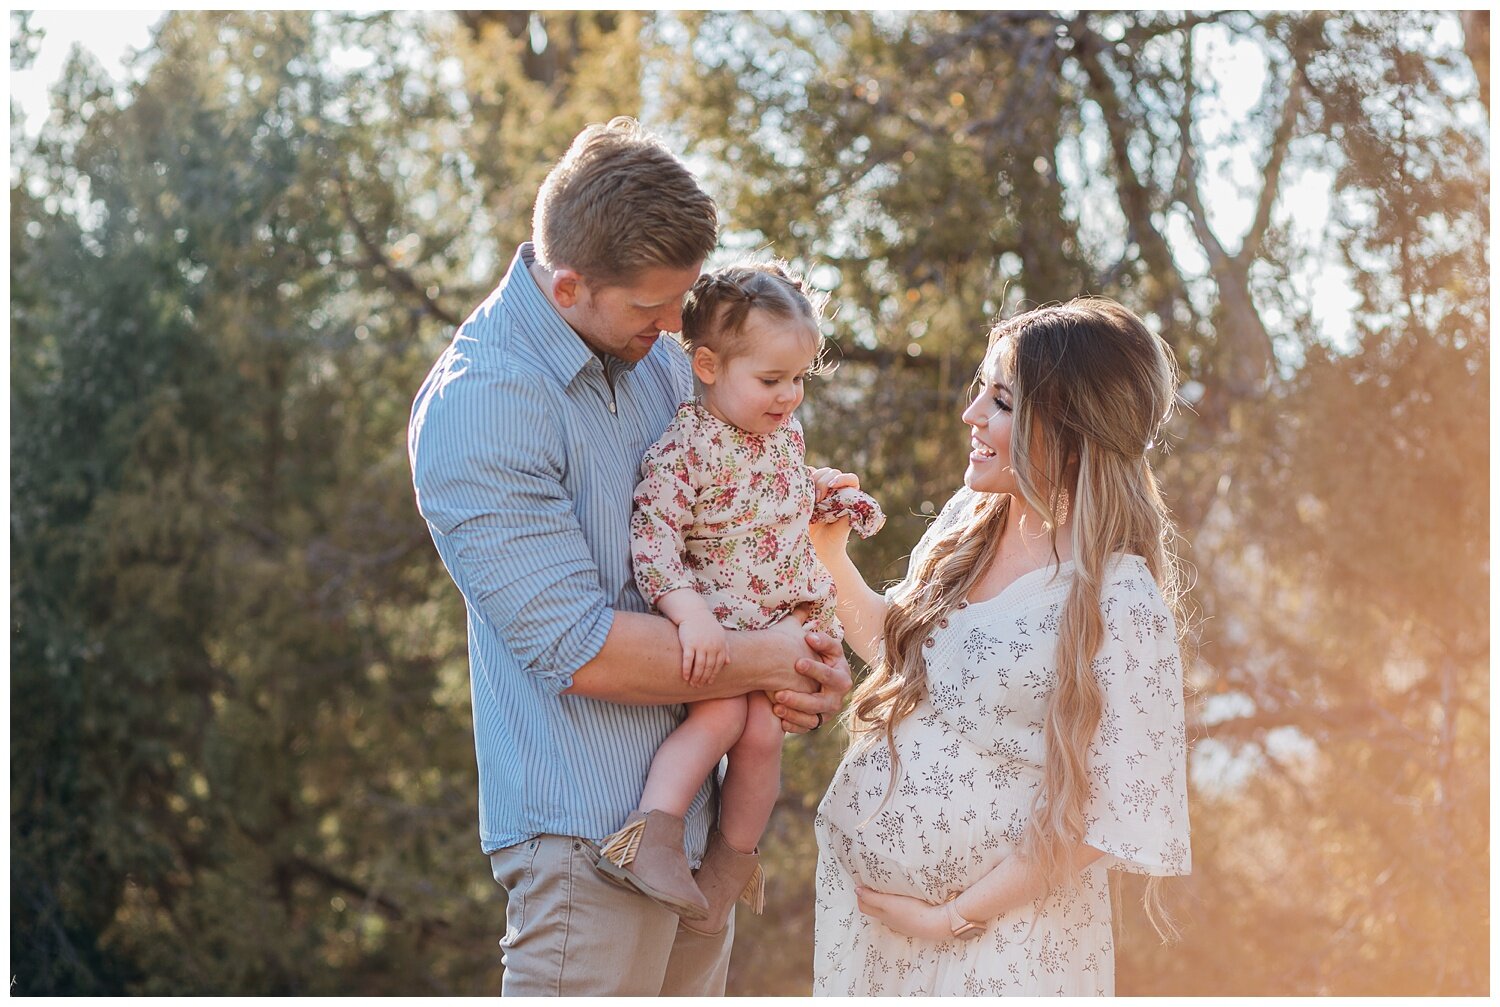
241, 748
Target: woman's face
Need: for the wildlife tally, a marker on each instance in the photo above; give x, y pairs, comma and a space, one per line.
989, 419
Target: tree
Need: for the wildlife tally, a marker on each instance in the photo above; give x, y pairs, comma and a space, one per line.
241, 742
1035, 156
241, 751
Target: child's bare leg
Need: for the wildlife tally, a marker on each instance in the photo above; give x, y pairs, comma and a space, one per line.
691, 752
754, 777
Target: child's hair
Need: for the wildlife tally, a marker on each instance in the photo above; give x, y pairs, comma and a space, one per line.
715, 309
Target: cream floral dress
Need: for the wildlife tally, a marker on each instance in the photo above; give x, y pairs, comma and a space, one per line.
726, 512
971, 757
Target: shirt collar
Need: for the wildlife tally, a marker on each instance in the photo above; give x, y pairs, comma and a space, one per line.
562, 350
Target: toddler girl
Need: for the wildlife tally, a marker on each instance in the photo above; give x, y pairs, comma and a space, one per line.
719, 541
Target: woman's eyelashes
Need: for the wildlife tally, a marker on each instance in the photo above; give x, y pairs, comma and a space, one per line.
999, 394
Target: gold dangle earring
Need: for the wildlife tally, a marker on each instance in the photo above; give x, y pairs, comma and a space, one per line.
1061, 513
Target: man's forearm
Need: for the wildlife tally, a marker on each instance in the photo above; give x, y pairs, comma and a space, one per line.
682, 604
641, 664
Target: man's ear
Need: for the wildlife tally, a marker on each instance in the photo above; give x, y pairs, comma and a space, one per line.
567, 287
706, 365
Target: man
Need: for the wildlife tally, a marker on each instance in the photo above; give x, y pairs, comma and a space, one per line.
525, 443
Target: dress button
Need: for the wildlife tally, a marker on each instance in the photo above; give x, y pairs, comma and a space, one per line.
963, 604
929, 642
942, 624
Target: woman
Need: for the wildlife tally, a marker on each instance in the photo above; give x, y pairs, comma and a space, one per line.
1022, 731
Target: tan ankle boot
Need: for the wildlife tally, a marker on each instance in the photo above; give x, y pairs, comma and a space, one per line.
646, 855
727, 875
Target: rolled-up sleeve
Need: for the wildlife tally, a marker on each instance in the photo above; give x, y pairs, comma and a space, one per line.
488, 463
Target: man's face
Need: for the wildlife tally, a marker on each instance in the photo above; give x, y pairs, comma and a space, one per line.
626, 320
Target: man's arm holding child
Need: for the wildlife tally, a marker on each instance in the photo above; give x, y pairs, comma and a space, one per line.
641, 662
513, 544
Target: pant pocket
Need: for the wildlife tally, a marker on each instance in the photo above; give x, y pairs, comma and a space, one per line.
514, 868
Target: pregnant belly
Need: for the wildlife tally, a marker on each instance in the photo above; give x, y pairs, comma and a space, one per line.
950, 819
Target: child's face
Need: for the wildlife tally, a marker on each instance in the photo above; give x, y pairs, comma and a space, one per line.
760, 385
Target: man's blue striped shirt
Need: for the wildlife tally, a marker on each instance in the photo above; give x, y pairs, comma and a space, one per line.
524, 461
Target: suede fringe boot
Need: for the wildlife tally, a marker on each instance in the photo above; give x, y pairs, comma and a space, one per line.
727, 875
646, 855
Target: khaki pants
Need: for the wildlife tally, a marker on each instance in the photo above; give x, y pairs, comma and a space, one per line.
568, 932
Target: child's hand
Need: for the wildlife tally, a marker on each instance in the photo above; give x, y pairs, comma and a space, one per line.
826, 480
704, 648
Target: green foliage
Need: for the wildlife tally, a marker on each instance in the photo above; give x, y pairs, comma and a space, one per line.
1332, 499
241, 745
242, 735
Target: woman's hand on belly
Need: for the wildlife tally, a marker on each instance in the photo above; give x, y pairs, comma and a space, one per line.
905, 915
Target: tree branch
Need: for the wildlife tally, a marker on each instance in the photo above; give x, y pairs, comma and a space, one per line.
339, 883
1135, 198
1187, 168
1280, 141
881, 357
1246, 354
399, 279
1477, 45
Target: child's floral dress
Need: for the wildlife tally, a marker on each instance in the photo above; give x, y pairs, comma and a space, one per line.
726, 512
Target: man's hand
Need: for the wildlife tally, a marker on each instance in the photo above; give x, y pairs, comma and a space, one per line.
801, 712
907, 916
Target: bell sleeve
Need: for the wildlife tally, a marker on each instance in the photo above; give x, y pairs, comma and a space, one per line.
1137, 810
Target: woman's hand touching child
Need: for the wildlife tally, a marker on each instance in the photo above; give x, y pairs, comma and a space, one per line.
830, 539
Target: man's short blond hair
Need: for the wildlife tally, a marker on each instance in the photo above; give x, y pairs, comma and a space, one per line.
620, 202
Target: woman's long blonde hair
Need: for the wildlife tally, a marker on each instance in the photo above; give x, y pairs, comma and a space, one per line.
1091, 387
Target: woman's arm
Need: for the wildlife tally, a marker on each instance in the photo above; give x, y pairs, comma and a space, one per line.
860, 610
1012, 883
